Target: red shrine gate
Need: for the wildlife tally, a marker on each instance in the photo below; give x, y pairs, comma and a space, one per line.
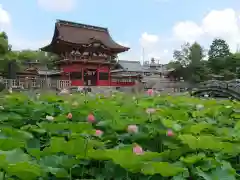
87, 55
86, 75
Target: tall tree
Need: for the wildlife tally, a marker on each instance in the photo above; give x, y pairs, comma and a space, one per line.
196, 69
196, 53
218, 49
4, 35
189, 62
232, 65
182, 55
4, 47
6, 55
217, 54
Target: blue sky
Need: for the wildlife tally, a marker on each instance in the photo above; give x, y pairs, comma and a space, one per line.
157, 26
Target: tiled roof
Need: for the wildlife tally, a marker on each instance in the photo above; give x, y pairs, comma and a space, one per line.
161, 69
84, 34
48, 72
131, 65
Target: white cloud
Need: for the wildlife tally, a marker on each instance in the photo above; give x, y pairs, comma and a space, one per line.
148, 39
152, 47
165, 51
149, 44
5, 20
187, 31
216, 24
57, 5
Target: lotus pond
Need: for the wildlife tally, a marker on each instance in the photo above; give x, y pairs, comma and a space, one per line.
118, 138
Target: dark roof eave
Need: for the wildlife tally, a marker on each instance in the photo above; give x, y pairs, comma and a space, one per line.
119, 49
122, 49
47, 48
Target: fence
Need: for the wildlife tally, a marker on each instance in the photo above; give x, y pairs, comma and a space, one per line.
36, 83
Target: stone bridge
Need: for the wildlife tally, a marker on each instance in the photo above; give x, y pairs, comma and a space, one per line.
216, 88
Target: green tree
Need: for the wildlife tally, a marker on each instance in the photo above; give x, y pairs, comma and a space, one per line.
218, 49
4, 35
196, 53
27, 55
189, 62
4, 47
217, 54
197, 69
179, 70
182, 55
6, 55
232, 66
40, 56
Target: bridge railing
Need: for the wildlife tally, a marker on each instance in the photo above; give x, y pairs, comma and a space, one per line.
233, 85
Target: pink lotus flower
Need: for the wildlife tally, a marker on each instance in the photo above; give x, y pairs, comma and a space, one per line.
170, 133
138, 150
150, 110
91, 118
132, 129
150, 92
69, 116
98, 133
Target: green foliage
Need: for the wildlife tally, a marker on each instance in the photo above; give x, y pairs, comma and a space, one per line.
42, 57
3, 46
2, 86
218, 49
205, 143
4, 35
182, 55
191, 64
7, 54
196, 53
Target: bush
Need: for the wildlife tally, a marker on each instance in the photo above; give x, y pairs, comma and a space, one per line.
2, 86
118, 137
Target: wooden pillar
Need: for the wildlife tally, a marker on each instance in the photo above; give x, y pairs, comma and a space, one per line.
109, 77
97, 74
83, 79
82, 70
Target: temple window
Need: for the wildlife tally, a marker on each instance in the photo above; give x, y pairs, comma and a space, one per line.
103, 76
76, 75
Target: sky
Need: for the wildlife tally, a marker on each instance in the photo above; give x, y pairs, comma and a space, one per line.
151, 28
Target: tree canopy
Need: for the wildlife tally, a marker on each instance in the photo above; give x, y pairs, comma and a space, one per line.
195, 64
7, 55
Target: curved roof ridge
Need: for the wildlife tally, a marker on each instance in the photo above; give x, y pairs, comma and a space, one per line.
80, 25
